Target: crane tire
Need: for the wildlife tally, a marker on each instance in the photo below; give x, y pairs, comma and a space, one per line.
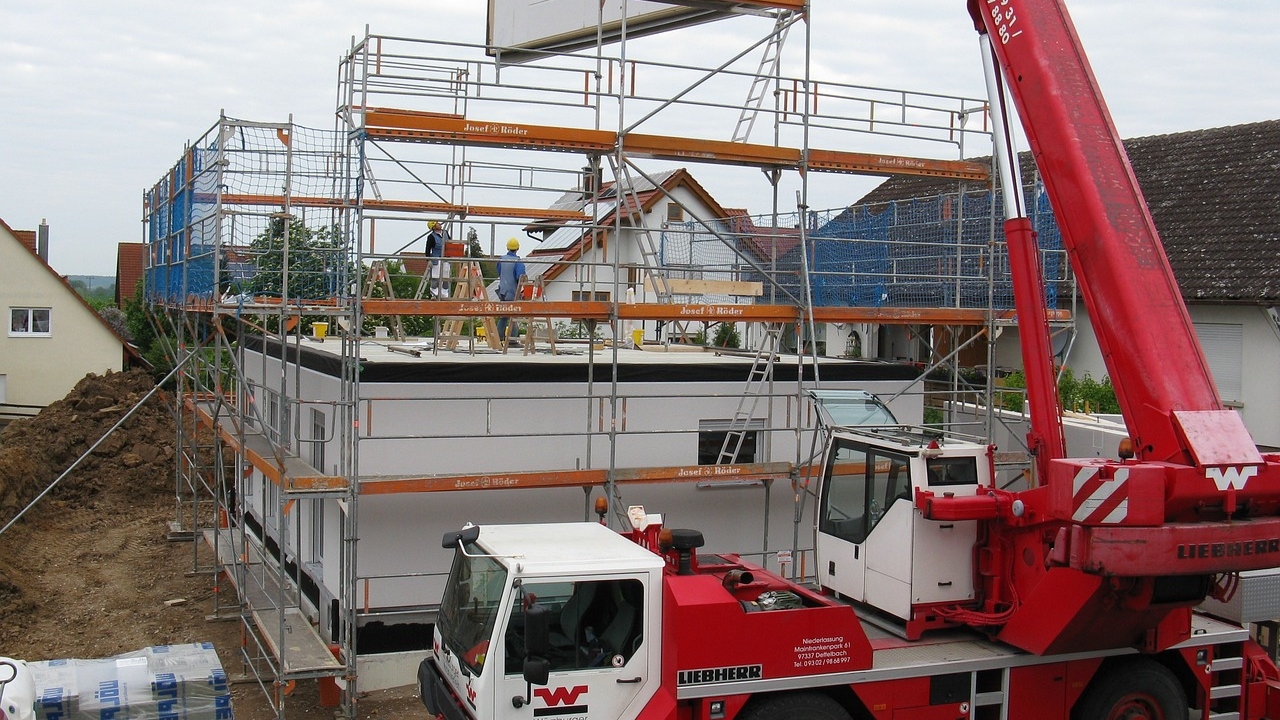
794, 706
1137, 690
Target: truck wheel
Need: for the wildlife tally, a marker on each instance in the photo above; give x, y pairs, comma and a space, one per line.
1138, 690
794, 706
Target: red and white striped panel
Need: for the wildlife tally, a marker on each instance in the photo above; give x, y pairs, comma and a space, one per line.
1100, 502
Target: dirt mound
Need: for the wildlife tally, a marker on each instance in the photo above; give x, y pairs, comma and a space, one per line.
136, 458
133, 466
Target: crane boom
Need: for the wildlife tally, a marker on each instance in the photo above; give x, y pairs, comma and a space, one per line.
1136, 309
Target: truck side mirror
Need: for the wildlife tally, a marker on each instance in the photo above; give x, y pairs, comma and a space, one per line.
536, 670
537, 632
460, 538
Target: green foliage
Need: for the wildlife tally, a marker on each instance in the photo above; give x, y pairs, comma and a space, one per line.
577, 330
727, 336
317, 260
1087, 395
139, 322
405, 285
1075, 394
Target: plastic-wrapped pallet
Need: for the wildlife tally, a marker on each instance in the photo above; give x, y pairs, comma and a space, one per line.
167, 682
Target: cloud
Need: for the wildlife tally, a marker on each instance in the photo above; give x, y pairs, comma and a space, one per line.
101, 98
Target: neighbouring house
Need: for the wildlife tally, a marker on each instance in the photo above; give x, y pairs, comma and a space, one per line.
52, 338
683, 230
1212, 194
131, 265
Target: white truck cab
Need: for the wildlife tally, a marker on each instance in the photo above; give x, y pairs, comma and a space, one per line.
593, 596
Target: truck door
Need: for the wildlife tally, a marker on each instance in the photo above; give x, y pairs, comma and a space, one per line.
599, 654
861, 484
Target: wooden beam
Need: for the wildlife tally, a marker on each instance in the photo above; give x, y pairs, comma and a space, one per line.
680, 286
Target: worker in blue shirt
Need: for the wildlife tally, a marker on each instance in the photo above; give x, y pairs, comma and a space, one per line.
436, 270
511, 271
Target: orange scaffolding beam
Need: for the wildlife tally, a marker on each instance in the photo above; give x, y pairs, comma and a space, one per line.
435, 208
747, 472
411, 126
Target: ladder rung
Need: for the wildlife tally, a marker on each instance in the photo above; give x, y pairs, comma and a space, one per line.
1224, 691
1226, 663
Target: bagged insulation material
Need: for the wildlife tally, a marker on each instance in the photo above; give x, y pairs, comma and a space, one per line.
167, 682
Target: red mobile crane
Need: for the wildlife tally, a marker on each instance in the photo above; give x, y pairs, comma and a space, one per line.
941, 596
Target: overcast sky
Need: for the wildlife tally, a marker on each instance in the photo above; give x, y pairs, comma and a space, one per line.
99, 98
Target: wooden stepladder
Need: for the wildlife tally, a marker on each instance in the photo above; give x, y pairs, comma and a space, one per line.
378, 278
468, 284
536, 326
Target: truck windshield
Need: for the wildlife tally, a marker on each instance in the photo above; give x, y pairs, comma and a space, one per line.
472, 599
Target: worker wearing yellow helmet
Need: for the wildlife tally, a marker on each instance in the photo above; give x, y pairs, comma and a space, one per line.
510, 271
436, 239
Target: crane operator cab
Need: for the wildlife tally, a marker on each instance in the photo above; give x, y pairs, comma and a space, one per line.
873, 544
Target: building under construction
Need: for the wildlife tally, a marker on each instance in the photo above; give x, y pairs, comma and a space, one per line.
355, 418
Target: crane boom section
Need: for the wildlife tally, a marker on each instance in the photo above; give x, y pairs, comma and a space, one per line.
1143, 329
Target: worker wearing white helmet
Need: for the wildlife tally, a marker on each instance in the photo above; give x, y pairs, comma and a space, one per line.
510, 271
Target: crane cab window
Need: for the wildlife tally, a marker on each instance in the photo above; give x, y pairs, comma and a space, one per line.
593, 623
861, 484
952, 471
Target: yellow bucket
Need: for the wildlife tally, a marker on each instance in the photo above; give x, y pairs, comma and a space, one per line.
637, 337
319, 330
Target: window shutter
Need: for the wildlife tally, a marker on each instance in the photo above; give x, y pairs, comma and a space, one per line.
1223, 345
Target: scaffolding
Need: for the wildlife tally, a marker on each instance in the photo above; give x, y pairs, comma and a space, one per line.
261, 237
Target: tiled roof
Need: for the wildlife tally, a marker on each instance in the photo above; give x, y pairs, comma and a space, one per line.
131, 263
1214, 197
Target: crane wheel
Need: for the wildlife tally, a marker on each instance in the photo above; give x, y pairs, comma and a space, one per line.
790, 706
1136, 690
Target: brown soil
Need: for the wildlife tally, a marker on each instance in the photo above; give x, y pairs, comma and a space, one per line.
89, 571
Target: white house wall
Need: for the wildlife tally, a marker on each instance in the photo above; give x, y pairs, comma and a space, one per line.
400, 559
39, 370
1259, 404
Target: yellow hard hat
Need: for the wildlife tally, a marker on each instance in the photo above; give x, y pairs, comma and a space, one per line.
513, 244
433, 224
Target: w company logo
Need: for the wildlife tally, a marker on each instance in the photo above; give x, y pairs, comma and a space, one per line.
1230, 478
560, 701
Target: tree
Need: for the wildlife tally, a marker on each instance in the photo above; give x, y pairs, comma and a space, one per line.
318, 264
140, 324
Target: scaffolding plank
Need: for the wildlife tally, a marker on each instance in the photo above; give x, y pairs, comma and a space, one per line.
292, 473
299, 649
793, 5
408, 206
389, 485
598, 310
392, 124
488, 308
403, 125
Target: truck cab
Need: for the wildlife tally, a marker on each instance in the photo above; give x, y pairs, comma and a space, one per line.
874, 545
595, 594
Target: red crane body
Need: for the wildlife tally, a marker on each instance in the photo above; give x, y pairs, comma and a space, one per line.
1112, 549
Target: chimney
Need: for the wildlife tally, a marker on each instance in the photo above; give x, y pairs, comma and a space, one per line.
42, 241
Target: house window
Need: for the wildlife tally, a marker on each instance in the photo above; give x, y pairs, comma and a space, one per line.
711, 439
317, 530
675, 213
30, 322
317, 440
586, 295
